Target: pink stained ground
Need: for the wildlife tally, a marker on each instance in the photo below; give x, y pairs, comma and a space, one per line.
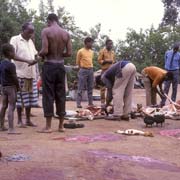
75, 160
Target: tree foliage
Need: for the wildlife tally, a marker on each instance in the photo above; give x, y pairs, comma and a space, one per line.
143, 47
171, 12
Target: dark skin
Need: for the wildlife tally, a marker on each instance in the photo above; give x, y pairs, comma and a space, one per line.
27, 34
109, 47
9, 56
56, 44
54, 41
160, 90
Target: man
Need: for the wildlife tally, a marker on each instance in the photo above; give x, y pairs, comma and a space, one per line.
153, 77
120, 79
172, 64
56, 45
106, 58
84, 60
27, 96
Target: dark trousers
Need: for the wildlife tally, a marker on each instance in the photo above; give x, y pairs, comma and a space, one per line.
174, 83
9, 94
85, 82
53, 83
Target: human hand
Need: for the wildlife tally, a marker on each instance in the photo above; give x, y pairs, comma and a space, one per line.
75, 68
32, 62
107, 62
38, 58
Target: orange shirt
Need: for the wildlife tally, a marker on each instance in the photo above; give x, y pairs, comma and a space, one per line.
104, 54
155, 74
84, 58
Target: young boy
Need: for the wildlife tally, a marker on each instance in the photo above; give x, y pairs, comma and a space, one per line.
9, 84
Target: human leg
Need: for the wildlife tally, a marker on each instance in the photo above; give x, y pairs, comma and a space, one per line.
175, 82
166, 91
60, 97
90, 85
118, 95
3, 109
102, 94
28, 115
11, 107
147, 86
153, 96
61, 125
48, 95
130, 72
47, 128
82, 79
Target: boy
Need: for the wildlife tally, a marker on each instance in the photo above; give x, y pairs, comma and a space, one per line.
9, 83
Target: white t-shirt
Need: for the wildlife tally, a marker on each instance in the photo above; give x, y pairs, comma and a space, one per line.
24, 49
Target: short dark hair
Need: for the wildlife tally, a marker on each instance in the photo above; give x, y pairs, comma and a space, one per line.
107, 41
176, 46
25, 25
6, 49
88, 39
169, 75
52, 17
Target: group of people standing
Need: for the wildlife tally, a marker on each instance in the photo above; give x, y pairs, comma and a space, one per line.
117, 77
18, 78
19, 83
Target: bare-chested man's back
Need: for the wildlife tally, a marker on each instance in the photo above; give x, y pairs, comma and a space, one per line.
56, 45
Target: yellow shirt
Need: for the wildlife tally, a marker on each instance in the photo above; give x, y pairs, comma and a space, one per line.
104, 54
155, 74
84, 58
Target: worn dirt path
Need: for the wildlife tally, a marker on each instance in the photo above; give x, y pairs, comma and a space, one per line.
94, 153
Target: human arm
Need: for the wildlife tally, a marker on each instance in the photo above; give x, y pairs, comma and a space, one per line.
107, 62
68, 51
12, 71
30, 62
78, 59
111, 59
160, 90
15, 43
44, 49
101, 59
106, 81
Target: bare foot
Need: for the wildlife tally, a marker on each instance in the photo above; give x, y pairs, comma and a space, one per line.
22, 125
29, 123
12, 131
3, 129
61, 129
45, 130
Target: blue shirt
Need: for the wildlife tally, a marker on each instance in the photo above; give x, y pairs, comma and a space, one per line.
175, 62
114, 71
8, 75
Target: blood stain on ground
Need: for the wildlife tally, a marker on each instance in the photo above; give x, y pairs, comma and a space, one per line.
90, 138
43, 174
146, 162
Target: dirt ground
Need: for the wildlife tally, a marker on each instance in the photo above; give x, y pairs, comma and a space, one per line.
93, 152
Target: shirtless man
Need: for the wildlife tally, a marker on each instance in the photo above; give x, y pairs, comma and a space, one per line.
56, 45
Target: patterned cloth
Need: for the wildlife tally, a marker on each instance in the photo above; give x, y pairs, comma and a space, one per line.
30, 99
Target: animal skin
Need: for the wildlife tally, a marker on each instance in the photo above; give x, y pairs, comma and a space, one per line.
148, 120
